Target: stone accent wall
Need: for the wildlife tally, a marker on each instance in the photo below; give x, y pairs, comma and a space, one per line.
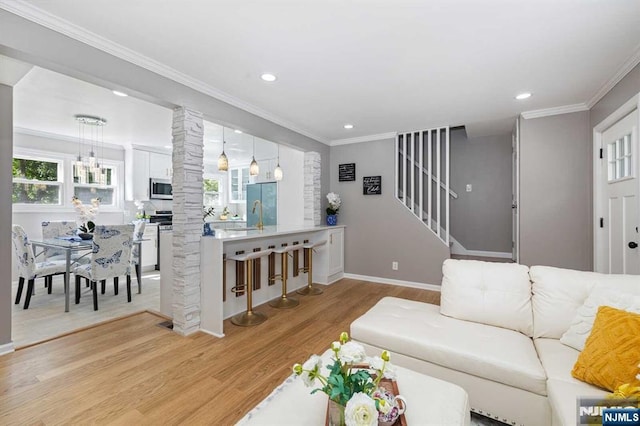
187, 218
312, 188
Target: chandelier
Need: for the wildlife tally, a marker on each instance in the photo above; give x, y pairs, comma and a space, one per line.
88, 168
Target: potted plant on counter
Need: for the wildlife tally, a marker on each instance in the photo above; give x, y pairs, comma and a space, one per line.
332, 209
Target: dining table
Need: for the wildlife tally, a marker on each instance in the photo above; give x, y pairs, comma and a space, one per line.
70, 245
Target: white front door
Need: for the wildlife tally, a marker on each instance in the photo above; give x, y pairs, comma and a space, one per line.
618, 250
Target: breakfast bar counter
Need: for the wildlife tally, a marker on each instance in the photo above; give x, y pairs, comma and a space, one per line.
218, 275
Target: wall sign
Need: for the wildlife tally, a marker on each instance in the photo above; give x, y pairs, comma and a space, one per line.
347, 172
372, 185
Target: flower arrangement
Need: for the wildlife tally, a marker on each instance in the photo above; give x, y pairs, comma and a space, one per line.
334, 203
352, 382
86, 214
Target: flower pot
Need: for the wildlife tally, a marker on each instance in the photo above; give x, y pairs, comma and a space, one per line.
335, 414
85, 235
332, 219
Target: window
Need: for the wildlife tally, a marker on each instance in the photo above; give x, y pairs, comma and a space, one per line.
239, 182
89, 185
212, 193
619, 158
37, 181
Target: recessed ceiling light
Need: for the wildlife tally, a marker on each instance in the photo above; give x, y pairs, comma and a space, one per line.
268, 77
119, 93
238, 131
169, 146
522, 96
348, 126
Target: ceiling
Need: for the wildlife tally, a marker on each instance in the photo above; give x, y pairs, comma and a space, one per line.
46, 102
382, 65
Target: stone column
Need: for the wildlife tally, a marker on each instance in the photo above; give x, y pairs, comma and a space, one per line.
312, 188
188, 147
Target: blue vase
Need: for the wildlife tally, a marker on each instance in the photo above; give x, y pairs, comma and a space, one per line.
208, 230
332, 219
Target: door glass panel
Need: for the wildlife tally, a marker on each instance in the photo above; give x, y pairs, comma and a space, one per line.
619, 158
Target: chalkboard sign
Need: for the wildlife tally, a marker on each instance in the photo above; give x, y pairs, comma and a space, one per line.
347, 172
372, 185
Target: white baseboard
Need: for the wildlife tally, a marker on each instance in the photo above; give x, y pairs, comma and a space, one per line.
412, 284
457, 248
211, 333
7, 348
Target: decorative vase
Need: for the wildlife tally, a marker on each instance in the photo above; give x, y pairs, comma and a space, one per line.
335, 414
208, 230
85, 235
332, 219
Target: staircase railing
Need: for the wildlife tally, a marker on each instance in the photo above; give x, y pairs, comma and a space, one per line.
423, 176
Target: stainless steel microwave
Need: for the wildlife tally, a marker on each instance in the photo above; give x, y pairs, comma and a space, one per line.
160, 189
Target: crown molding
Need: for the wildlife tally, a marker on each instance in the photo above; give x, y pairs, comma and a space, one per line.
368, 138
546, 112
63, 138
76, 32
626, 67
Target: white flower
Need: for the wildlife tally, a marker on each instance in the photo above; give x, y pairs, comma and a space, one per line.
334, 200
311, 369
335, 346
377, 363
361, 411
352, 352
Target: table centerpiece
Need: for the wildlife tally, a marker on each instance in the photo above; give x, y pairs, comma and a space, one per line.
353, 385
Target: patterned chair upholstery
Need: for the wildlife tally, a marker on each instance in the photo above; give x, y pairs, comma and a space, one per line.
138, 233
28, 268
57, 229
110, 258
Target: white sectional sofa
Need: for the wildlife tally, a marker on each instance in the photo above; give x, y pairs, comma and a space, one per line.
496, 334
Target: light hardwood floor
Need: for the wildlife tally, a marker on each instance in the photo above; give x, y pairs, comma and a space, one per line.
132, 371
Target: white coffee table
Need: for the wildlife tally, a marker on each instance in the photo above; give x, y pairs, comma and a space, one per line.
430, 401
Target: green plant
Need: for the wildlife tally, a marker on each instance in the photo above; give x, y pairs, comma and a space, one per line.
352, 376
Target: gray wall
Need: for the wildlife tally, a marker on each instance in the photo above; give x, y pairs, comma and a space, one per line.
6, 148
481, 219
555, 191
626, 88
379, 229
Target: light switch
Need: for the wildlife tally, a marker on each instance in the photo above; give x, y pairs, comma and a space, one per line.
469, 187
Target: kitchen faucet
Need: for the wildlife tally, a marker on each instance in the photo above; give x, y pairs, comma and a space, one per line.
259, 225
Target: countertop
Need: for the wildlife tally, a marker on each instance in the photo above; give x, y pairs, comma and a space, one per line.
268, 231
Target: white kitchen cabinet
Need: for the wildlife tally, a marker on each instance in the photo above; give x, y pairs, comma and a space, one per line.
140, 174
150, 247
336, 251
160, 166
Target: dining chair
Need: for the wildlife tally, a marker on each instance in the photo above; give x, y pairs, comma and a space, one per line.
138, 233
28, 268
110, 258
61, 228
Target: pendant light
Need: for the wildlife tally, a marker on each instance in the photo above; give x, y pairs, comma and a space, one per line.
277, 173
92, 165
223, 161
254, 170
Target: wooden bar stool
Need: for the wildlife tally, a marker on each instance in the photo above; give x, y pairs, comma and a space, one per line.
284, 302
249, 317
308, 255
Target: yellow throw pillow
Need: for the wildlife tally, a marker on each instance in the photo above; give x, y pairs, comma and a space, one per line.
611, 355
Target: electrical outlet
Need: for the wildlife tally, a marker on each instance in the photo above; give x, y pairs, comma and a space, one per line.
394, 266
469, 187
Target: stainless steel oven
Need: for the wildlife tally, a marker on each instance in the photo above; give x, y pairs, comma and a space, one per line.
160, 189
